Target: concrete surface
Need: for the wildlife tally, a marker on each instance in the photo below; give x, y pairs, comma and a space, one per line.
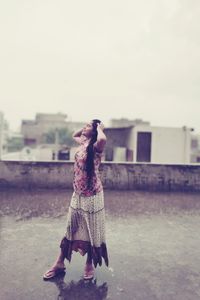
153, 245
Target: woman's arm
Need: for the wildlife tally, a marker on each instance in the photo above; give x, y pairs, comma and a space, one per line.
77, 135
101, 138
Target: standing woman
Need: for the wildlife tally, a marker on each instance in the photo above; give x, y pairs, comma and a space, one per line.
85, 232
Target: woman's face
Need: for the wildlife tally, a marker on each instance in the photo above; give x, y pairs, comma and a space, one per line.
87, 130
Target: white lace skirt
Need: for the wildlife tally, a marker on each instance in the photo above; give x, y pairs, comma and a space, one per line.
86, 228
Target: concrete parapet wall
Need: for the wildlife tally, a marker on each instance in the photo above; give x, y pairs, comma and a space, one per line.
118, 176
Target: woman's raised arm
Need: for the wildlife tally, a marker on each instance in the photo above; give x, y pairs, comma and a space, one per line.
101, 138
77, 135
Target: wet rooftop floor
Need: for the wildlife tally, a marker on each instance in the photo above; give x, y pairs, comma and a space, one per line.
153, 242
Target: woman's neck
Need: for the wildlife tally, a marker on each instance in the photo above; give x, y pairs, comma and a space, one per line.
86, 140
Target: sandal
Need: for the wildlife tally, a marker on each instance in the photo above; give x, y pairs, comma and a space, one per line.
53, 272
88, 274
81, 251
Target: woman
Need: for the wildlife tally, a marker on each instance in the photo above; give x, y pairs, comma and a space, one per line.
86, 215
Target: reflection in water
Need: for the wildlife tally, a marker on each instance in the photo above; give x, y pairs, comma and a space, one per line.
82, 289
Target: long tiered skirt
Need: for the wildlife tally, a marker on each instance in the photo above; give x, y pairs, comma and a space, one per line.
86, 228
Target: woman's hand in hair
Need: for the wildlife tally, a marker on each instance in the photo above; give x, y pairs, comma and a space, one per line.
100, 125
101, 138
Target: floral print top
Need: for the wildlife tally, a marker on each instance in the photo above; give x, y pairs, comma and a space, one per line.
80, 175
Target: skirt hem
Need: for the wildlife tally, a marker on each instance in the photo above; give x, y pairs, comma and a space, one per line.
94, 253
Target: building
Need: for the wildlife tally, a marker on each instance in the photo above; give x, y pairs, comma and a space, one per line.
195, 148
124, 122
43, 152
34, 131
1, 133
145, 143
4, 134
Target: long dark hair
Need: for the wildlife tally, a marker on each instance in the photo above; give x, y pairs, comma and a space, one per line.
90, 153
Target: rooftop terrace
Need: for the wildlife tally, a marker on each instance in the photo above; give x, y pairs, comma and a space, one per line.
153, 244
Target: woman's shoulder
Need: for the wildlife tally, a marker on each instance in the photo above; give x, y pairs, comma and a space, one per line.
81, 140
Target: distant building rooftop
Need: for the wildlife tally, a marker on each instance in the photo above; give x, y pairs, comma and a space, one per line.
119, 127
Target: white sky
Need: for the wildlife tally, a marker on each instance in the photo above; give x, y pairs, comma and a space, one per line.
101, 59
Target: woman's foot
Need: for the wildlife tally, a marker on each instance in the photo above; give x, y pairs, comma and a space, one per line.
56, 269
81, 251
88, 271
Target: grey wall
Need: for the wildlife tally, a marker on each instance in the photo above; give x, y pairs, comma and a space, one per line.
116, 137
120, 176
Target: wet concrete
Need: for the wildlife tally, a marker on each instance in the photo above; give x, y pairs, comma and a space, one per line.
153, 244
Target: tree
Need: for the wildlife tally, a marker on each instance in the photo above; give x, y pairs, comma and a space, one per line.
64, 137
14, 144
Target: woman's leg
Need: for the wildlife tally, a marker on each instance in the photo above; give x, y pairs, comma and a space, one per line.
89, 264
89, 259
58, 264
60, 260
89, 269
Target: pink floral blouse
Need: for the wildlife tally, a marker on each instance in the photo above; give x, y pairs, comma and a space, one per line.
80, 175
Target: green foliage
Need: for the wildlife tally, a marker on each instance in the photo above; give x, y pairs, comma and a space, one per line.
14, 144
64, 137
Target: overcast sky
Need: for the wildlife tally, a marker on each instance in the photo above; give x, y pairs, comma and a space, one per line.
105, 59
